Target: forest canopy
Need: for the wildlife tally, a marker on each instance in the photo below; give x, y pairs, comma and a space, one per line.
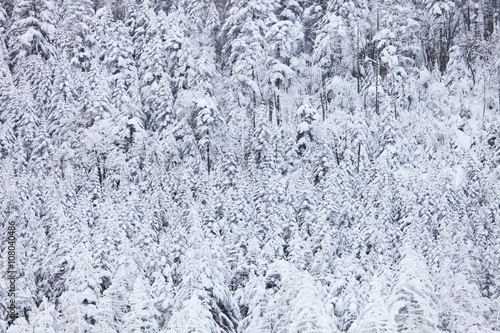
250, 165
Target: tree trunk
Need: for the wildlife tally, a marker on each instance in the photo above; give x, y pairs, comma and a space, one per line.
208, 158
323, 111
359, 156
278, 109
377, 71
270, 110
358, 70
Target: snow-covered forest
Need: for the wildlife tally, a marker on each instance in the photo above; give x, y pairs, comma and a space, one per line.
250, 166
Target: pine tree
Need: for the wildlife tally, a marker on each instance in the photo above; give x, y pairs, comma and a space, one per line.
376, 316
304, 131
45, 320
155, 80
138, 23
120, 65
25, 122
282, 294
284, 51
81, 293
30, 31
62, 106
245, 51
79, 36
413, 302
458, 78
202, 295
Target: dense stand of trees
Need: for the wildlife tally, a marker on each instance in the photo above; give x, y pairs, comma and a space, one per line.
251, 166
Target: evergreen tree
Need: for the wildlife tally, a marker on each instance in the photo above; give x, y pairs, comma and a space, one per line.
202, 295
79, 35
31, 29
413, 301
245, 54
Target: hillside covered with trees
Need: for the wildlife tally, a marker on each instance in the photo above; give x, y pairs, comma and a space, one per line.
249, 166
